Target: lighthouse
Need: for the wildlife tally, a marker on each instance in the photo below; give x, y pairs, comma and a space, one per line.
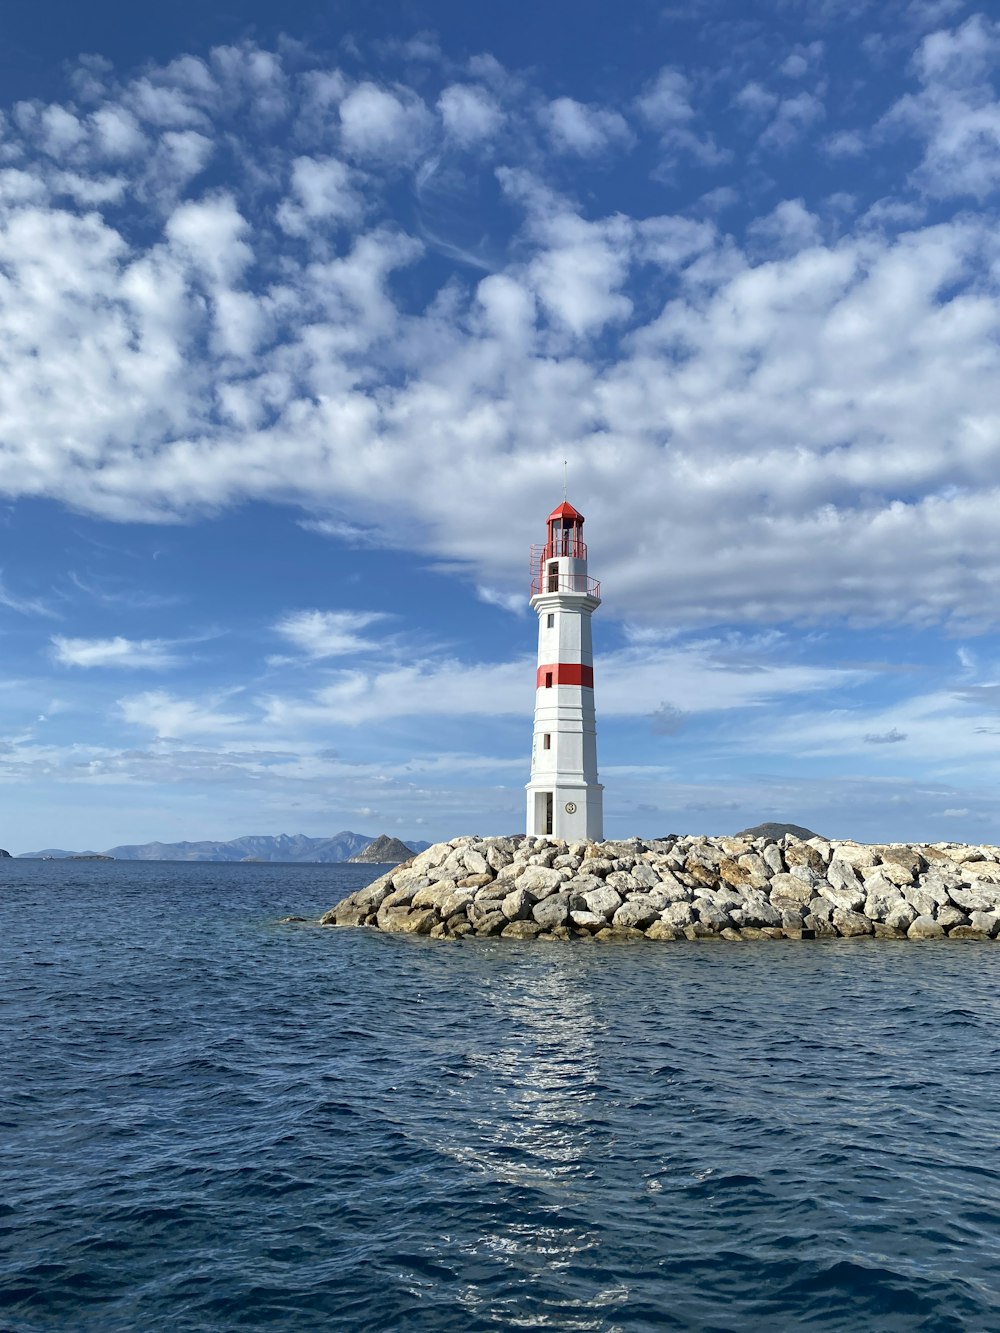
564, 796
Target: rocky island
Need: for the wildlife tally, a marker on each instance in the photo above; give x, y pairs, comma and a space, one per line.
728, 888
385, 850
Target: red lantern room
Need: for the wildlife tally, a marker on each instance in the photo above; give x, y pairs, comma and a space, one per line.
565, 533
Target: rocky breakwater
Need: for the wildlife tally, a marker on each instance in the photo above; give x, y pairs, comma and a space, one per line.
684, 888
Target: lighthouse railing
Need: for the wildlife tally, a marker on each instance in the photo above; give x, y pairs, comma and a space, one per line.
582, 584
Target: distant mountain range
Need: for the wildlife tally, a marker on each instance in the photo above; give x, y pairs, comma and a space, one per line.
257, 847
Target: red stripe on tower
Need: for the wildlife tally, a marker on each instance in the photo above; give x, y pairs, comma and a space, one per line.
564, 673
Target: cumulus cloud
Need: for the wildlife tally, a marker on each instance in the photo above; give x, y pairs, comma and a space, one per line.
805, 418
956, 112
376, 123
323, 191
469, 113
574, 127
666, 105
141, 654
792, 120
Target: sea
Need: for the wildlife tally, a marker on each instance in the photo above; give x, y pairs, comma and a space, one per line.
210, 1120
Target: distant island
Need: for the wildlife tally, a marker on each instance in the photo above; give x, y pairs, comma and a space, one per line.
344, 846
385, 851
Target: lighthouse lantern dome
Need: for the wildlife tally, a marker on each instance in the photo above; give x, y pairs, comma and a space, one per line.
565, 525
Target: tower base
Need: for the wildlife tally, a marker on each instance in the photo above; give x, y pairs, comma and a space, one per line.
570, 811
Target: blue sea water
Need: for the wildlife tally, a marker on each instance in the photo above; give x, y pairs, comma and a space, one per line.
211, 1121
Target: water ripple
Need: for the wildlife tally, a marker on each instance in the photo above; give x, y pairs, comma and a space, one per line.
213, 1122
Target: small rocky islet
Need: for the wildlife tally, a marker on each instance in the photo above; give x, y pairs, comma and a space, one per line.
684, 888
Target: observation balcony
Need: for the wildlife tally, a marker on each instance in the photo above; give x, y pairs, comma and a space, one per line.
544, 579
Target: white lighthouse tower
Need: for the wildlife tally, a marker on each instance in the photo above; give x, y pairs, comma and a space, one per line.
564, 796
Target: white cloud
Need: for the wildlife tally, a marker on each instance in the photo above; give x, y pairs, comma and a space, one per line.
383, 125
167, 716
469, 113
957, 110
144, 654
323, 191
321, 634
756, 99
807, 425
700, 676
574, 127
789, 228
208, 234
792, 120
666, 107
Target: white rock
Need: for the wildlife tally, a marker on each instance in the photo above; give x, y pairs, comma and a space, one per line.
925, 928
604, 901
539, 879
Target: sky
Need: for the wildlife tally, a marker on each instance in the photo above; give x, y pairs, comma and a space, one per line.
303, 307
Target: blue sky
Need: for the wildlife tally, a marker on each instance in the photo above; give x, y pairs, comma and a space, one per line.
302, 311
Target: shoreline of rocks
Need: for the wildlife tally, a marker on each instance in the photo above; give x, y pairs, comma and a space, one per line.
726, 888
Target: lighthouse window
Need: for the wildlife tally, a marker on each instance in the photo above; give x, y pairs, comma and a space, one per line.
550, 621
546, 741
553, 577
548, 680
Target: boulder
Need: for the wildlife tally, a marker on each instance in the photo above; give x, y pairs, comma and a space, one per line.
840, 875
637, 911
951, 916
989, 922
603, 901
855, 854
677, 915
517, 905
644, 875
733, 873
879, 905
661, 930
925, 928
539, 880
802, 854
773, 859
921, 899
406, 921
756, 911
820, 927
710, 915
848, 900
896, 872
976, 899
622, 882
552, 911
491, 923
345, 914
410, 880
588, 920
521, 930
849, 923
475, 862
790, 888
671, 887
901, 916
432, 895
